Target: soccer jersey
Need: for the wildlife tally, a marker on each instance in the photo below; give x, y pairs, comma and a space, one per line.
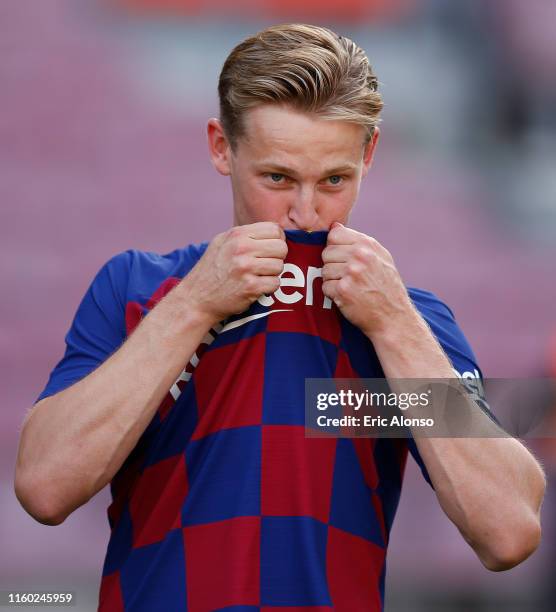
224, 503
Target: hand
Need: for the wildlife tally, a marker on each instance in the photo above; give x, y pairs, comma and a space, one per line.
360, 277
238, 266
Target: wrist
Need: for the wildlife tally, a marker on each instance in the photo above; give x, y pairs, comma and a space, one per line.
407, 348
192, 308
397, 326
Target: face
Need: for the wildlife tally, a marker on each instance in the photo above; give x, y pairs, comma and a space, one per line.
293, 168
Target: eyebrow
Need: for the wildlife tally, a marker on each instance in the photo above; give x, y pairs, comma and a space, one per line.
290, 171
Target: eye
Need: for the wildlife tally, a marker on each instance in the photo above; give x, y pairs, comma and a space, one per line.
335, 179
276, 177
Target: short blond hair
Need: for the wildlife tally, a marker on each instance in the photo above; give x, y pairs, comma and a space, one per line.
307, 67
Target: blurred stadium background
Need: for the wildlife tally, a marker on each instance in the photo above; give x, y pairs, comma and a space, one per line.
103, 107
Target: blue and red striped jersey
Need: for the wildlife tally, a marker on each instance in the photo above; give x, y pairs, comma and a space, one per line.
224, 503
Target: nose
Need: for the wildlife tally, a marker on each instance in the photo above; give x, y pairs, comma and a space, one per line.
303, 211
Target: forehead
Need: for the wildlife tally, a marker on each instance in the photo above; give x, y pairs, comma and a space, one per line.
290, 136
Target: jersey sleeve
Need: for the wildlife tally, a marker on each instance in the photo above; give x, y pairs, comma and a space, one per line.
442, 322
98, 327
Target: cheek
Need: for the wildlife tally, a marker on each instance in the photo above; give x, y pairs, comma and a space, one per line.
267, 204
337, 204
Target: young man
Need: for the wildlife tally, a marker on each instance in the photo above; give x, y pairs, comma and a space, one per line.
194, 413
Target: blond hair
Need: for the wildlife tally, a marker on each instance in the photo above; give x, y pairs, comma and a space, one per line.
310, 68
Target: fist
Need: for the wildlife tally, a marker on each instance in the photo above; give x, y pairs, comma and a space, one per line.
238, 267
360, 277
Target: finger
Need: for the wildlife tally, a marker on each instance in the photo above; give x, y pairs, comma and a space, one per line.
268, 266
335, 254
270, 247
340, 234
333, 271
329, 288
268, 284
265, 229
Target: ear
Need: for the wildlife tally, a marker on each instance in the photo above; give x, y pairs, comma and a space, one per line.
369, 152
219, 147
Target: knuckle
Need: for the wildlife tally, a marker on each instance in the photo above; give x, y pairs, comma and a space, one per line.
354, 268
241, 263
240, 247
363, 254
234, 232
343, 287
251, 284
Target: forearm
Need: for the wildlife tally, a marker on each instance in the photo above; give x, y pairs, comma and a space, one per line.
490, 487
73, 443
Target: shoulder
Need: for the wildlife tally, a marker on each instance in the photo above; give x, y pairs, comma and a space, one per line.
142, 278
442, 321
429, 304
139, 273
